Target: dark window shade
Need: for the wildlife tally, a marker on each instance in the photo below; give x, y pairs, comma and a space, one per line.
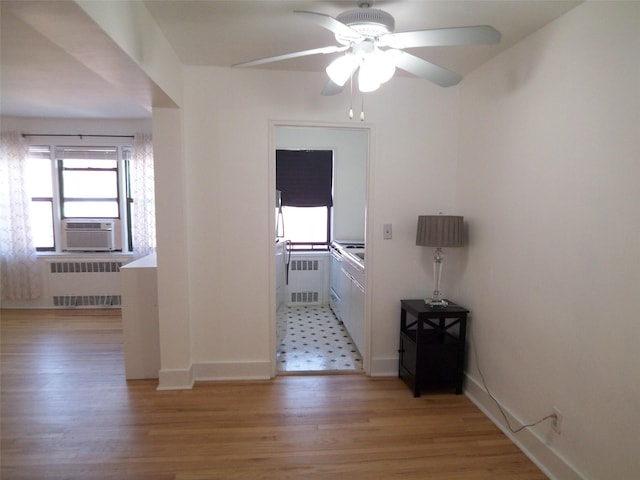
305, 177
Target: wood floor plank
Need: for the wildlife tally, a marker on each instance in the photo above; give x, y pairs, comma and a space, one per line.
68, 413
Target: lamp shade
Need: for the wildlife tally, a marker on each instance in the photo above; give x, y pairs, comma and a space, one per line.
440, 231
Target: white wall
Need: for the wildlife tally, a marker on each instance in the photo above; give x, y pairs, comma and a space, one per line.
230, 181
548, 181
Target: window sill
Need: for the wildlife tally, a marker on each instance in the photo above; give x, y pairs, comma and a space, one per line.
84, 254
310, 253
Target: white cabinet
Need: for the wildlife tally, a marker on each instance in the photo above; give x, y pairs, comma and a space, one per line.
353, 304
281, 317
356, 314
343, 289
280, 274
335, 300
347, 297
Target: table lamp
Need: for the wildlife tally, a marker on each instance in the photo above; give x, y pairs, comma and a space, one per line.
439, 231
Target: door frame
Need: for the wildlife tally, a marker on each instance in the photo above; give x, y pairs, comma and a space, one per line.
273, 126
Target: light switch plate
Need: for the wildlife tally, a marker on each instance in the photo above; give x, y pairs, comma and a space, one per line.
386, 231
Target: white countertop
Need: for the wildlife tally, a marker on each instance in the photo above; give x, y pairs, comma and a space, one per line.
349, 253
149, 261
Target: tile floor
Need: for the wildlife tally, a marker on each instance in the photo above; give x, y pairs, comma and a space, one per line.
315, 341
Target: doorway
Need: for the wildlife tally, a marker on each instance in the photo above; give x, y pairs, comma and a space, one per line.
309, 336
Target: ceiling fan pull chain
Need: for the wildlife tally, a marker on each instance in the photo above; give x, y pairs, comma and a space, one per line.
362, 110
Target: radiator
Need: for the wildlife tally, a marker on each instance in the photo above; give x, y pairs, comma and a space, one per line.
87, 300
306, 281
84, 283
305, 265
308, 298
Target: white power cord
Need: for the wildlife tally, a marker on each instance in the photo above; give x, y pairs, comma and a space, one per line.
504, 415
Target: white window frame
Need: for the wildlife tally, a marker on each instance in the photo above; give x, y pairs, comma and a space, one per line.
123, 145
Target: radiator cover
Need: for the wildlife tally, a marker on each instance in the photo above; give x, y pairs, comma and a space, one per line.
84, 283
307, 280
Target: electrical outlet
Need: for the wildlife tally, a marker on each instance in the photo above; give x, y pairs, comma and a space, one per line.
556, 421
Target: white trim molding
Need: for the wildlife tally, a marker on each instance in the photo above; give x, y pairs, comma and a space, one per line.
384, 367
175, 379
213, 371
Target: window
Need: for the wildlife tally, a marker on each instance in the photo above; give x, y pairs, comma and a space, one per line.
306, 227
88, 182
75, 182
305, 178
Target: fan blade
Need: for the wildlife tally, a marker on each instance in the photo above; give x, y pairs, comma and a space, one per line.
287, 56
478, 35
331, 24
331, 88
427, 70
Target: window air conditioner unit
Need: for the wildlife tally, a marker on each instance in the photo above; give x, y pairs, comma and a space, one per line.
88, 236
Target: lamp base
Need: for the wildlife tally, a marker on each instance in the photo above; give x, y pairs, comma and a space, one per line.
436, 302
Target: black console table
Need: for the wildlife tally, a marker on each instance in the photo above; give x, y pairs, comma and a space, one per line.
432, 345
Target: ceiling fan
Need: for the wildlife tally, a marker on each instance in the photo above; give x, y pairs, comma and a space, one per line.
367, 37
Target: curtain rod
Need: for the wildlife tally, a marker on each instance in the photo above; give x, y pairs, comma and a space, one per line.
74, 135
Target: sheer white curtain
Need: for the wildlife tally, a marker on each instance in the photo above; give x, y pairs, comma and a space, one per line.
143, 210
19, 271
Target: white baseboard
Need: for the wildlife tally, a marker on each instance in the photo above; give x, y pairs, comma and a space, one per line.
531, 443
211, 371
184, 379
175, 379
384, 367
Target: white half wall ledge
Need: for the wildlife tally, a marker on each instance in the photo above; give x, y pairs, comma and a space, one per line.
212, 371
530, 442
175, 379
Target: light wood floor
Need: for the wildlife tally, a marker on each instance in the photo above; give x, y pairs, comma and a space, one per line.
68, 413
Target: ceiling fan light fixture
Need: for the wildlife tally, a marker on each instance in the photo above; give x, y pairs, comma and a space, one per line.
376, 68
342, 68
384, 64
368, 77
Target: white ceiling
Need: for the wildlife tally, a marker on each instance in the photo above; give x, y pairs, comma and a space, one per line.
45, 69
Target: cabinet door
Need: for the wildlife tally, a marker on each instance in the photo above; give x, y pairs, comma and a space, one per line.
334, 272
335, 302
344, 292
357, 315
280, 274
408, 355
